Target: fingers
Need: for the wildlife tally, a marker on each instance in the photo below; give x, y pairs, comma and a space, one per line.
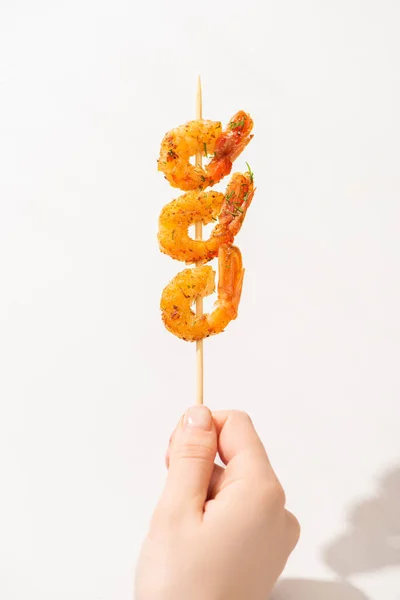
197, 486
191, 461
240, 447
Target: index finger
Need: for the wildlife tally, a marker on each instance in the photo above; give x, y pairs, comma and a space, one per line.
240, 446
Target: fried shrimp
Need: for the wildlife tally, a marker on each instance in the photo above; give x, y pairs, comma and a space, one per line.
227, 210
199, 205
181, 293
207, 138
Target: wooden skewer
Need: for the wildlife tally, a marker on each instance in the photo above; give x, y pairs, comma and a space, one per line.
199, 301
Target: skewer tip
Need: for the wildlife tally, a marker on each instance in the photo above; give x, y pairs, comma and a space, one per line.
199, 99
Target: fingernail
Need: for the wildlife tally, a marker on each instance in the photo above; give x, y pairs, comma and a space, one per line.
198, 417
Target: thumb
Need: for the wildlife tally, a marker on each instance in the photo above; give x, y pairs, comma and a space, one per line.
191, 462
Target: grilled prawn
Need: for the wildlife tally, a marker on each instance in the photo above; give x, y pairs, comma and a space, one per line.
199, 204
181, 293
227, 210
207, 138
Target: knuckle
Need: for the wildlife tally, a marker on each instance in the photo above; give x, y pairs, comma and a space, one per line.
294, 528
273, 496
243, 416
278, 495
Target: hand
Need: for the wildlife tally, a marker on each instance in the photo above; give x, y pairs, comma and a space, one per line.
217, 533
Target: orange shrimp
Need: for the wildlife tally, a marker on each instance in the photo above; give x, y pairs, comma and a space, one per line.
181, 293
230, 210
207, 138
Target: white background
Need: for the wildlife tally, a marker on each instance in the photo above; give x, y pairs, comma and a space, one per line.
91, 384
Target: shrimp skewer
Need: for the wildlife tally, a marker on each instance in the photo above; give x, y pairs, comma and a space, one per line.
181, 293
207, 139
227, 210
200, 207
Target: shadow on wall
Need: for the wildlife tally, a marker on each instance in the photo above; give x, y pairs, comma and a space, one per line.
373, 538
371, 542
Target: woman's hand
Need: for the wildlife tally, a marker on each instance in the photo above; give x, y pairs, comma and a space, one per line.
217, 533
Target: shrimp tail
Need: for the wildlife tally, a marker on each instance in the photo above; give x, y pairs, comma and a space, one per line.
219, 168
230, 282
237, 200
229, 145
